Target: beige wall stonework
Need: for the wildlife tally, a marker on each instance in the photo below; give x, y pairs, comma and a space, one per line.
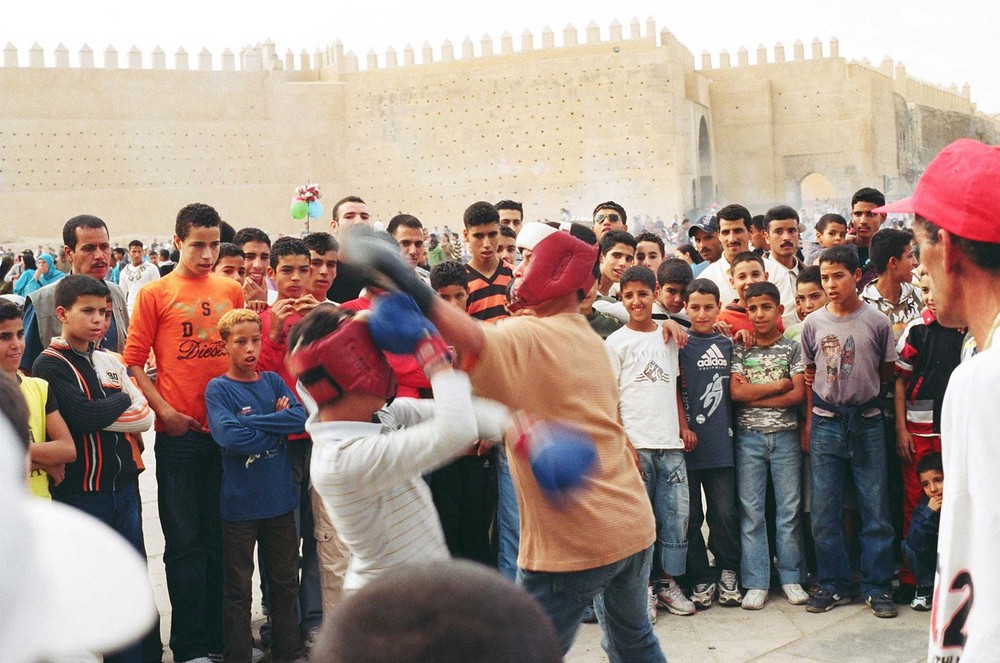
427, 132
562, 128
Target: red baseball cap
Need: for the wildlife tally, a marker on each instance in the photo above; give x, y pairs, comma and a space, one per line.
959, 191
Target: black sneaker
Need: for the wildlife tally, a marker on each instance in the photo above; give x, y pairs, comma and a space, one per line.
903, 594
922, 599
882, 605
825, 600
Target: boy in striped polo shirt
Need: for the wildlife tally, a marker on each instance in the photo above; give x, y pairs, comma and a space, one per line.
488, 275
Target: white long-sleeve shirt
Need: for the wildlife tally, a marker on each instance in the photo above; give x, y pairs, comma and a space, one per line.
369, 474
138, 418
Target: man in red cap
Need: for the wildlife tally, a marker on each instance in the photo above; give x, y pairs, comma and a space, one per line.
956, 204
596, 543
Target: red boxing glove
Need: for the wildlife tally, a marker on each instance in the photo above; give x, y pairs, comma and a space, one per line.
431, 349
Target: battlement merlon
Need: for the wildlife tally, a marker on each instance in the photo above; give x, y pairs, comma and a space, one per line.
778, 55
913, 89
332, 62
264, 56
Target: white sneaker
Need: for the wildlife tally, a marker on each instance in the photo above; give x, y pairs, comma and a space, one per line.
729, 588
795, 594
670, 596
754, 599
651, 605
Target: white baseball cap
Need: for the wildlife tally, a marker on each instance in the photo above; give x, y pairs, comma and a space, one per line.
532, 233
69, 584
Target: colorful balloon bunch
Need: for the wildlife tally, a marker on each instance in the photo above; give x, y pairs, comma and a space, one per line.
306, 202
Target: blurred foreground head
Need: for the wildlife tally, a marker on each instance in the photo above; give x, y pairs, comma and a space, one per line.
69, 584
455, 612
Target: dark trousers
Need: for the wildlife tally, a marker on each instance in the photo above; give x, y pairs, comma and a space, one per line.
310, 591
189, 477
279, 541
464, 493
723, 525
121, 510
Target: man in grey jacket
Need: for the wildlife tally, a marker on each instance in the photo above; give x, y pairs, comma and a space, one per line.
88, 247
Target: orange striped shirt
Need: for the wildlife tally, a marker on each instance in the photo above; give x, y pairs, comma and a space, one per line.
488, 295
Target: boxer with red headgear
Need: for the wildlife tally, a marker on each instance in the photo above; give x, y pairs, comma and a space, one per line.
553, 365
370, 449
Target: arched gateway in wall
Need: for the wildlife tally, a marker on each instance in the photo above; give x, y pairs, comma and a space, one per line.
704, 188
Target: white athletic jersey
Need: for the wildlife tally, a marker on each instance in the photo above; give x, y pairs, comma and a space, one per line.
965, 622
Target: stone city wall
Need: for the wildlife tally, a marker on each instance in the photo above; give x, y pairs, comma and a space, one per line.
561, 127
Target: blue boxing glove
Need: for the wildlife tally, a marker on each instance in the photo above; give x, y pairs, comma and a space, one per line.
396, 325
561, 456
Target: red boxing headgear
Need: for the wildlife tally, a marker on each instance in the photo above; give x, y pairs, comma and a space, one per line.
560, 264
342, 361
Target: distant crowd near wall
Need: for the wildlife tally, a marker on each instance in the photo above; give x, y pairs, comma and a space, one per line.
601, 115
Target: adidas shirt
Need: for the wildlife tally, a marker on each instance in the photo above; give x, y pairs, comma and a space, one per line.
706, 362
646, 369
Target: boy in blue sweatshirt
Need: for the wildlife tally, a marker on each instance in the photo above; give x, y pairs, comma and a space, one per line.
251, 414
920, 544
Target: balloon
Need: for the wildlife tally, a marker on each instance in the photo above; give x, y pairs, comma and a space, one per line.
315, 209
299, 209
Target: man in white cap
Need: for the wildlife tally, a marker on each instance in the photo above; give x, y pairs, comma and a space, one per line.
552, 364
956, 203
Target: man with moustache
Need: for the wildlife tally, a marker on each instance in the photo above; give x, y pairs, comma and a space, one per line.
734, 222
865, 222
88, 247
781, 231
704, 233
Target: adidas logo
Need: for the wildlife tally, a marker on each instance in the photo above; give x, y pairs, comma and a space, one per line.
713, 358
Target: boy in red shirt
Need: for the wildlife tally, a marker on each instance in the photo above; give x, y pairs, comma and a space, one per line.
746, 269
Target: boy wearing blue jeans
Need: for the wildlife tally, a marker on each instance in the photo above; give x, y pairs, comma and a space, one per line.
651, 411
706, 363
848, 351
767, 380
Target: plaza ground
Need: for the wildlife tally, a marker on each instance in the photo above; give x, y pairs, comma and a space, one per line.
780, 633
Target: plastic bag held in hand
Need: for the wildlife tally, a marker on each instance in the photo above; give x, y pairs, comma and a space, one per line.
561, 456
397, 326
